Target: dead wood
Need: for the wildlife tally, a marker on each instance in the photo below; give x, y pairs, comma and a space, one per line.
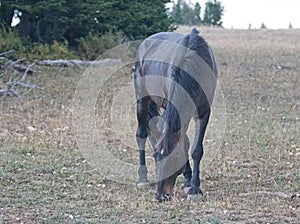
13, 76
79, 63
15, 71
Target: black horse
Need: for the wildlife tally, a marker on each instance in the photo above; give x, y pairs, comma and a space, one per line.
175, 79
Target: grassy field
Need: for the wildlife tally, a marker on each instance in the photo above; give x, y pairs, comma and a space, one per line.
254, 177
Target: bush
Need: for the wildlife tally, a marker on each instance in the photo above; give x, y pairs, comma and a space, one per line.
56, 50
10, 40
88, 48
94, 45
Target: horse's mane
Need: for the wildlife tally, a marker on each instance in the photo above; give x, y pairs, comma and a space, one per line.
200, 46
182, 111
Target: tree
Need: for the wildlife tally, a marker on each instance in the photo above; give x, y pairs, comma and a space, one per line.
197, 11
5, 13
48, 20
263, 26
141, 18
186, 14
213, 13
177, 13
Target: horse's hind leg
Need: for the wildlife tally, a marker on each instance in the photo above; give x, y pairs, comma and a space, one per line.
197, 154
141, 137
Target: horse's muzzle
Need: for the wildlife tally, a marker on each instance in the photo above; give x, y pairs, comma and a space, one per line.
160, 197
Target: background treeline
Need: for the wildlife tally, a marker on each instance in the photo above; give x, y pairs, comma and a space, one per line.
185, 13
74, 28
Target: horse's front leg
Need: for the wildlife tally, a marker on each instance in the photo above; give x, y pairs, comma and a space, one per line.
197, 154
187, 172
141, 137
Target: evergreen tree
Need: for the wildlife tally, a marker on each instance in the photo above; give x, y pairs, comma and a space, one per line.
48, 20
188, 14
263, 26
197, 11
177, 13
185, 14
213, 13
143, 17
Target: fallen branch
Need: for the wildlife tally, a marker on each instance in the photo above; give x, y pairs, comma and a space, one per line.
79, 63
12, 88
7, 52
21, 81
278, 194
8, 92
17, 66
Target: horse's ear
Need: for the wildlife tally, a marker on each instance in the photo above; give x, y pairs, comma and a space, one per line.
181, 50
189, 37
194, 32
193, 38
185, 41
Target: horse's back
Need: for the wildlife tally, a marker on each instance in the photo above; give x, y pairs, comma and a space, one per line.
158, 44
165, 53
168, 36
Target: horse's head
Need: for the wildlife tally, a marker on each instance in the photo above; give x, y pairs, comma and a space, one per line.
171, 150
170, 164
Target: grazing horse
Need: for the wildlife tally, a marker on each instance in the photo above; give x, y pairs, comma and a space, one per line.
175, 79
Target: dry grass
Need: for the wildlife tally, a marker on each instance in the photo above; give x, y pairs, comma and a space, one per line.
45, 179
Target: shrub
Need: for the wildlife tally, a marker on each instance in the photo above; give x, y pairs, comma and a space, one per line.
88, 48
94, 45
61, 50
56, 50
10, 40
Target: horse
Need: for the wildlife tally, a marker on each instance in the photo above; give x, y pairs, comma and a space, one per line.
174, 79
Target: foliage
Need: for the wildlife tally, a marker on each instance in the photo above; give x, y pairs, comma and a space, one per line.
94, 45
187, 14
56, 50
177, 14
9, 40
140, 19
89, 47
48, 20
213, 13
263, 26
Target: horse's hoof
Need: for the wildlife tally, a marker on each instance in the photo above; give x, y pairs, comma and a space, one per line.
194, 197
194, 194
143, 185
194, 190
